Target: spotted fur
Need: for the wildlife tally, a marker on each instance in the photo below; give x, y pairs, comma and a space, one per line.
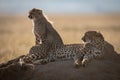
92, 48
46, 36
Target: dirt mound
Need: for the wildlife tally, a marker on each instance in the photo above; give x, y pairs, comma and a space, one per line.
107, 68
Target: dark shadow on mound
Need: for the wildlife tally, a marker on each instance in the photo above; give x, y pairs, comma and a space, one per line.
110, 53
2, 65
15, 71
12, 70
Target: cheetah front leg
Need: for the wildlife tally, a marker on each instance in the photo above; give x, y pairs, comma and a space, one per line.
86, 59
43, 61
37, 40
40, 62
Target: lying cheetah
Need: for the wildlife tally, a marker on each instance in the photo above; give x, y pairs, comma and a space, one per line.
92, 48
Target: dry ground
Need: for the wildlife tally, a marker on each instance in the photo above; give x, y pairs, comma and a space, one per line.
16, 35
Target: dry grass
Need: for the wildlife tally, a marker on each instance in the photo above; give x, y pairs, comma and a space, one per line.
16, 31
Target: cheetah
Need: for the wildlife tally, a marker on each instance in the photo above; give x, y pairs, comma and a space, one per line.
92, 48
46, 36
43, 29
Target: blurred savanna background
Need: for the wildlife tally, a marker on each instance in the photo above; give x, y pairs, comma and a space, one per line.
71, 18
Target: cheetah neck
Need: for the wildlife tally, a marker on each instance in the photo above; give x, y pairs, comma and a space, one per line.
39, 20
99, 44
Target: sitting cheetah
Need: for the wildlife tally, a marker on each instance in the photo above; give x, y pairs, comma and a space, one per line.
43, 29
92, 48
46, 36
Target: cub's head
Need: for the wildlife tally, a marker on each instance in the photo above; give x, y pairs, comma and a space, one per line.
35, 13
92, 36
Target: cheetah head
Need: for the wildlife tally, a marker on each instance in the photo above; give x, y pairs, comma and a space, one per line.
35, 13
92, 36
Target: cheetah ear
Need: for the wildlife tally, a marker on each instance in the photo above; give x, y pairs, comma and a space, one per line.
98, 32
100, 35
37, 10
40, 11
33, 9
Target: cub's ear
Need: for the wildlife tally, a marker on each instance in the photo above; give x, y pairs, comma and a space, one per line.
34, 9
98, 34
40, 11
37, 10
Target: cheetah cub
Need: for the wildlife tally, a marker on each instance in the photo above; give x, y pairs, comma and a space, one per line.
46, 36
43, 29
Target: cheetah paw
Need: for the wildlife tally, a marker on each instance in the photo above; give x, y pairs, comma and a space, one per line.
84, 63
